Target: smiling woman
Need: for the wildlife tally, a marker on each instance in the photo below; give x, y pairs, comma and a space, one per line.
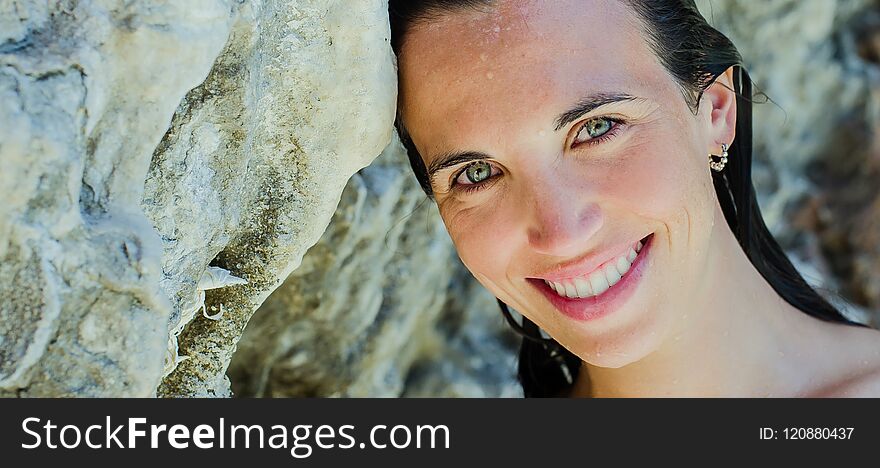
591, 161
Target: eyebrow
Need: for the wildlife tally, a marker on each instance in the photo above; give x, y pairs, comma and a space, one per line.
583, 106
453, 159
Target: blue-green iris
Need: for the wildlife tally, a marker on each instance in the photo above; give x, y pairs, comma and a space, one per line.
478, 172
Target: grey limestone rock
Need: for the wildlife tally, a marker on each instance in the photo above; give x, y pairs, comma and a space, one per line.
144, 141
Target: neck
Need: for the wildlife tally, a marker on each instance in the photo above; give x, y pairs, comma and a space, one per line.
736, 337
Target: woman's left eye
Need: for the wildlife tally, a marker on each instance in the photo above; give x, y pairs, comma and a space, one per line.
595, 129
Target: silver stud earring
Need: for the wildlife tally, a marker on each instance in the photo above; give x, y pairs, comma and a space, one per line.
718, 166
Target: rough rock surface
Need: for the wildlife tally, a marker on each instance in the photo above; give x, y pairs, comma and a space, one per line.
142, 142
254, 163
108, 226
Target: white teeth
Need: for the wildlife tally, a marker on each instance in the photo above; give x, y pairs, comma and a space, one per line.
622, 265
583, 287
598, 282
570, 290
639, 246
611, 274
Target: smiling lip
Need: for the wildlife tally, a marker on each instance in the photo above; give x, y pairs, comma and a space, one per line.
594, 307
588, 264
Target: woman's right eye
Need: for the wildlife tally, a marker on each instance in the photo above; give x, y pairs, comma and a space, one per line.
475, 175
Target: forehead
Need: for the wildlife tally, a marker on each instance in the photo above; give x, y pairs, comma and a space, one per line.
516, 61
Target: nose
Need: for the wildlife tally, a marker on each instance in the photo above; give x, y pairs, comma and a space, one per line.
562, 218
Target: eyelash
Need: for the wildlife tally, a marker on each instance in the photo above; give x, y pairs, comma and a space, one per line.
611, 133
470, 188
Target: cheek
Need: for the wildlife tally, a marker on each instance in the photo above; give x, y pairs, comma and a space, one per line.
483, 236
662, 178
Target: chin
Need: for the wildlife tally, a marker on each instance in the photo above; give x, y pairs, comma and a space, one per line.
616, 357
620, 347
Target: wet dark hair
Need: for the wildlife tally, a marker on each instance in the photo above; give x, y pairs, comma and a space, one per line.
695, 54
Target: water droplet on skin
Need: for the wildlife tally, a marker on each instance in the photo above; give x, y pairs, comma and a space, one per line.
483, 57
490, 75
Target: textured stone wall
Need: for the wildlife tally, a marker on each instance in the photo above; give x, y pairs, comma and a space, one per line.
150, 150
144, 141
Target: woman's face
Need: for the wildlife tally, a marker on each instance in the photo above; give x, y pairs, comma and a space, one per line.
556, 142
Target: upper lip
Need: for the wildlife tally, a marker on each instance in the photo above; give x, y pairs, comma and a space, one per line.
587, 264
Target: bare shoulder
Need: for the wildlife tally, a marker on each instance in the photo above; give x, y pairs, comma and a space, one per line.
860, 376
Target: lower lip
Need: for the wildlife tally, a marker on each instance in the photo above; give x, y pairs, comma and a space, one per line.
594, 307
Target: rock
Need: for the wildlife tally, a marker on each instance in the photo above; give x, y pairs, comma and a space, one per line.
253, 165
109, 225
88, 89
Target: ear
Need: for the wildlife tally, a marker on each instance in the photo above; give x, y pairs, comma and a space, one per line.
719, 103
